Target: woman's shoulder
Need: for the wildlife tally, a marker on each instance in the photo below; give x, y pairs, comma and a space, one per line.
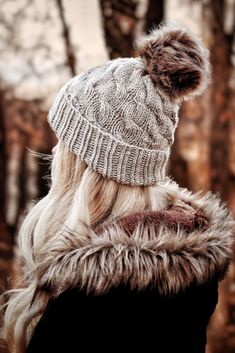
187, 240
75, 319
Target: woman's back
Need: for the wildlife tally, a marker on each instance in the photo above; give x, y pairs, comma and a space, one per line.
123, 319
147, 281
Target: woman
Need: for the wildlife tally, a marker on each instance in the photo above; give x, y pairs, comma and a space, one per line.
117, 255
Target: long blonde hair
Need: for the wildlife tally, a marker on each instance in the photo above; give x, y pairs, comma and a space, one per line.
77, 194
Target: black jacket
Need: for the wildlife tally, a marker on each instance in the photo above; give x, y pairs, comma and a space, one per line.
124, 320
145, 282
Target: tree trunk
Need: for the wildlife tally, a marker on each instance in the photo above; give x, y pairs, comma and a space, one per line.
154, 14
203, 155
119, 21
69, 50
6, 237
222, 333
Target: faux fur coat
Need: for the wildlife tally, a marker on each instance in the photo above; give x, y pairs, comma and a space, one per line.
145, 282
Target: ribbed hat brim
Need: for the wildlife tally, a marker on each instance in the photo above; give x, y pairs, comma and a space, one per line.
108, 156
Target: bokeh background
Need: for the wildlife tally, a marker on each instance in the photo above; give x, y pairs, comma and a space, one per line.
45, 42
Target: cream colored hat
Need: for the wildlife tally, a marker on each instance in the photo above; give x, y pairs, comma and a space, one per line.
120, 117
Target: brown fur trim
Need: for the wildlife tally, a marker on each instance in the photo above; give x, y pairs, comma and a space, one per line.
176, 61
170, 258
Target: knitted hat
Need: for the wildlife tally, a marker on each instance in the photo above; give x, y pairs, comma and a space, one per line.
120, 117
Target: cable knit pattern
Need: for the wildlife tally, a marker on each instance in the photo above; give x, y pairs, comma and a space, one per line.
120, 117
117, 121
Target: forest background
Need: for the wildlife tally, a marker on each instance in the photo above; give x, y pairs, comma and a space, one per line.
45, 42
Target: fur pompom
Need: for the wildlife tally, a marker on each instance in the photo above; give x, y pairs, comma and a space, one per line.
176, 61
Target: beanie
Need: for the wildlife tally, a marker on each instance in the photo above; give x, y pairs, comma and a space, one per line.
120, 117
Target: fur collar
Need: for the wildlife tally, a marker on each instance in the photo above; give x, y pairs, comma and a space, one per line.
188, 241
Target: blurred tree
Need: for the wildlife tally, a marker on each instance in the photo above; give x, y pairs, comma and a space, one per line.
6, 236
220, 31
203, 156
119, 20
154, 14
205, 138
71, 60
23, 123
